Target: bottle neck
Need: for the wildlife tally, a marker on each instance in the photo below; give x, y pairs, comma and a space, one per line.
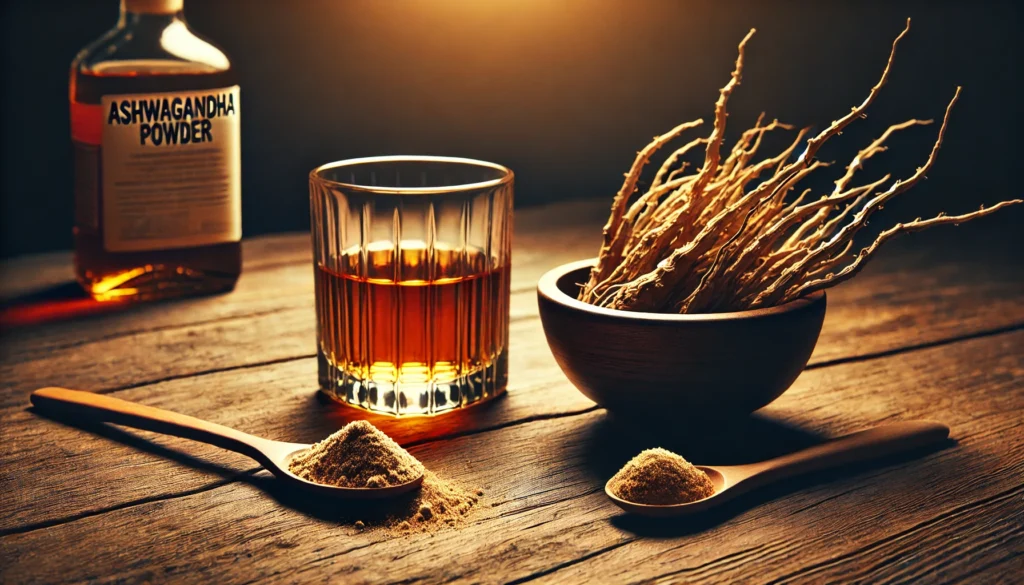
156, 11
154, 22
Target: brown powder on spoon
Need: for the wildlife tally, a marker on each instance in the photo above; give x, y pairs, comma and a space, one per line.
357, 456
360, 455
660, 477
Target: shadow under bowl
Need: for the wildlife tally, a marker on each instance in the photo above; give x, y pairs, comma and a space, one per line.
696, 366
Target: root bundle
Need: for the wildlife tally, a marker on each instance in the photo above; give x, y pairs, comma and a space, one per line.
728, 237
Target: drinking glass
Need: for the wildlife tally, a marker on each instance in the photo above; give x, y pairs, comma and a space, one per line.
412, 258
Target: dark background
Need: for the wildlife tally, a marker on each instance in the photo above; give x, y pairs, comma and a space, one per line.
562, 91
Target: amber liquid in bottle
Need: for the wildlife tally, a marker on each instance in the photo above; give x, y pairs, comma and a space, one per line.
152, 274
414, 327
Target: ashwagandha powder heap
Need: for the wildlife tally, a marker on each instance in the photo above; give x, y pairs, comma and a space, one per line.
360, 455
658, 476
357, 456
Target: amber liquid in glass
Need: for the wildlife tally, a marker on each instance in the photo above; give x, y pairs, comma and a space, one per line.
154, 274
421, 335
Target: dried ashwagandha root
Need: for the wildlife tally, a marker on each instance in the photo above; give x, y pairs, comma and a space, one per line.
726, 237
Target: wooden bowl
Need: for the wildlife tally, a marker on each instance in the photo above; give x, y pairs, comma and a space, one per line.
697, 366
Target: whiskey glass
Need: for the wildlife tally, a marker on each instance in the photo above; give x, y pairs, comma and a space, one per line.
411, 259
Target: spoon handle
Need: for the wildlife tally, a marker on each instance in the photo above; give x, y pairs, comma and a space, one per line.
100, 408
853, 448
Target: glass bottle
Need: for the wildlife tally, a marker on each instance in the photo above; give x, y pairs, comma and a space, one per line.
155, 130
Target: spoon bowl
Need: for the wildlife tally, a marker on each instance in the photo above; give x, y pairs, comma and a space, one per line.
274, 456
664, 510
279, 458
282, 471
734, 480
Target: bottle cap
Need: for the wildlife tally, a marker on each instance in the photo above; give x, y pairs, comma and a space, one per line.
153, 6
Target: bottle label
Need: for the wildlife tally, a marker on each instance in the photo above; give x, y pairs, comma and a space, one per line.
170, 170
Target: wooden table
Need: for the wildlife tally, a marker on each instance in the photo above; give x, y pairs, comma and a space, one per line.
932, 329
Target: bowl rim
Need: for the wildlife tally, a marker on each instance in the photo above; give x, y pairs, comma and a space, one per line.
547, 287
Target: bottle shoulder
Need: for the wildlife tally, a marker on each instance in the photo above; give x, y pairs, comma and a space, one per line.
171, 48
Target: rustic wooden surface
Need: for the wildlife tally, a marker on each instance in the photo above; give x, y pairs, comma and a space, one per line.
932, 329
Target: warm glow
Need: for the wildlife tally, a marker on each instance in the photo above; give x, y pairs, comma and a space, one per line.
29, 314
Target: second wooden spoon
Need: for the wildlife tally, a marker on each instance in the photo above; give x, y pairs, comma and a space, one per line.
733, 480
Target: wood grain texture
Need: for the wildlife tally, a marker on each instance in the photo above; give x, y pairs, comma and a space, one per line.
932, 329
549, 521
251, 399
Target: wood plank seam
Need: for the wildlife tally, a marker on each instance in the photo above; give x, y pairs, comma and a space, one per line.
202, 373
725, 560
917, 346
133, 332
334, 555
504, 425
966, 577
903, 559
275, 265
569, 563
899, 563
981, 417
832, 497
543, 505
521, 318
125, 505
962, 509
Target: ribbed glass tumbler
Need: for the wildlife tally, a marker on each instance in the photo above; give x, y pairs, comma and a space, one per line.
412, 259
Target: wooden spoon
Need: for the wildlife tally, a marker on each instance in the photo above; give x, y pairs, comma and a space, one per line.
731, 481
272, 455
